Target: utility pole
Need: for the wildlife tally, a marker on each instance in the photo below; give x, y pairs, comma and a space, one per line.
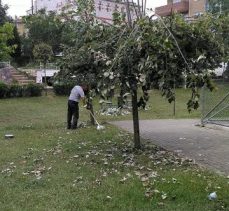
35, 6
32, 6
189, 15
220, 8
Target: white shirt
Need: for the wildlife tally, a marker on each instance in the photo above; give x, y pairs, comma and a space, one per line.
76, 93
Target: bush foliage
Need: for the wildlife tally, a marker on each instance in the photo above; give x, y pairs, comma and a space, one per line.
16, 90
3, 90
63, 88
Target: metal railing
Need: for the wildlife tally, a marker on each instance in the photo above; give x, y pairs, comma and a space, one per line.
215, 104
4, 64
49, 66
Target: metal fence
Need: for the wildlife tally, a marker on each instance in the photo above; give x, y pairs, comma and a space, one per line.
4, 64
50, 66
215, 104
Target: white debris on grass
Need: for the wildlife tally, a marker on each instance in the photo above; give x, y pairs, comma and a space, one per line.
100, 127
9, 136
114, 112
212, 196
164, 196
9, 170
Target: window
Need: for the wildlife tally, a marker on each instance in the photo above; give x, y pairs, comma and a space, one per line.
176, 1
116, 7
197, 14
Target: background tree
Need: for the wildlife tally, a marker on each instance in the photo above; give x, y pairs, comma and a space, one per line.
43, 53
219, 25
44, 27
15, 41
218, 6
3, 15
26, 50
6, 33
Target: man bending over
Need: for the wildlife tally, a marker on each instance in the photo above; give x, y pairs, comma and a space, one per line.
77, 93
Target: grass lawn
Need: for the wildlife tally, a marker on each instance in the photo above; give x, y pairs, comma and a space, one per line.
46, 167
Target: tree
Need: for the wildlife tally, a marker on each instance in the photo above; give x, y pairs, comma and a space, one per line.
78, 60
26, 49
15, 41
43, 53
133, 55
160, 51
218, 6
223, 31
45, 27
218, 26
6, 32
3, 16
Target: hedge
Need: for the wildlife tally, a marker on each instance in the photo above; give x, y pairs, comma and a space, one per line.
4, 89
16, 90
63, 88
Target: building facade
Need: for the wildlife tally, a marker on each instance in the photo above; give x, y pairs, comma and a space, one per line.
51, 5
190, 8
104, 9
20, 26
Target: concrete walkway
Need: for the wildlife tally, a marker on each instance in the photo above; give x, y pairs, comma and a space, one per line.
208, 146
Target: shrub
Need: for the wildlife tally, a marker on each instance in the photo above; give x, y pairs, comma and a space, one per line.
3, 90
15, 90
63, 88
33, 90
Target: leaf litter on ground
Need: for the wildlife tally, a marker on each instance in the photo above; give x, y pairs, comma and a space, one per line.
112, 158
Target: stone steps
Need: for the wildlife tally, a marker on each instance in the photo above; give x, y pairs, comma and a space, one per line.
10, 75
21, 78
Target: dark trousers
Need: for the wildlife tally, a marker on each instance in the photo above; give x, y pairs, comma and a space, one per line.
73, 114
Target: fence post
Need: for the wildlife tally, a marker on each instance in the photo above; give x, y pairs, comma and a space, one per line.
202, 104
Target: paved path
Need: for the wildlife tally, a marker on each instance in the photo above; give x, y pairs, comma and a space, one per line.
207, 146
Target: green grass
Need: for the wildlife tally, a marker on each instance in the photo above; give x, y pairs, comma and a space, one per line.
46, 167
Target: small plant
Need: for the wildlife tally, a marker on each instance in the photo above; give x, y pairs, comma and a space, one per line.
63, 88
33, 90
3, 90
43, 53
15, 90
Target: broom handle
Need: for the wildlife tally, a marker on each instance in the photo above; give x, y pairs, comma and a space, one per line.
94, 117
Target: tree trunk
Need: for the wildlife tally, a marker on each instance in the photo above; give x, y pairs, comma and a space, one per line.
137, 143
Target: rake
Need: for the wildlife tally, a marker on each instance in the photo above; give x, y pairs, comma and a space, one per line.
99, 127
